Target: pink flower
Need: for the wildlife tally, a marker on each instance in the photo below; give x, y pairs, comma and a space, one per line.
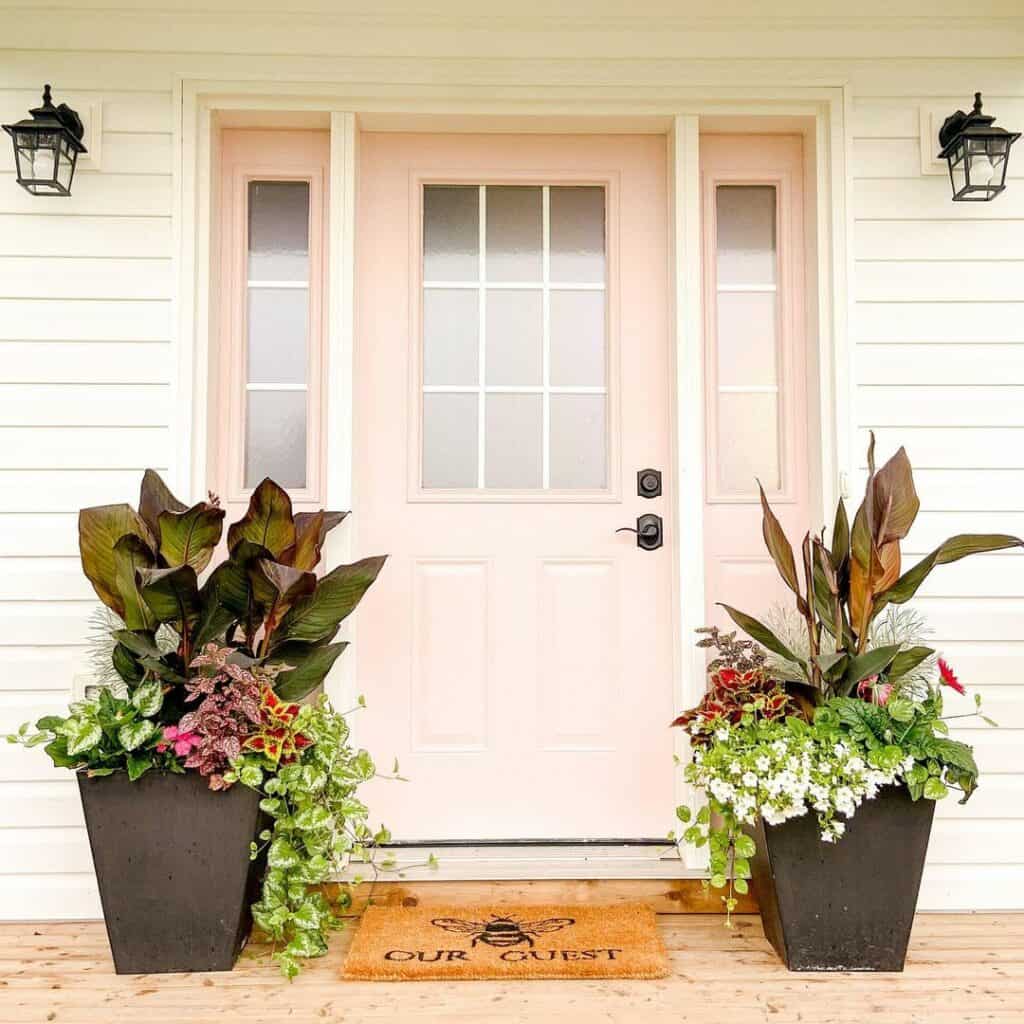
870, 689
948, 677
866, 686
183, 742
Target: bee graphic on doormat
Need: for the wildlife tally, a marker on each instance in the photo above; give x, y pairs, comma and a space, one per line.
502, 932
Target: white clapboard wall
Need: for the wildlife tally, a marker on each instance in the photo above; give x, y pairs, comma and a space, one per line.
87, 289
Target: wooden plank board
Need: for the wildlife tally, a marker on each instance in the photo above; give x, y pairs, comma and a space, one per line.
962, 969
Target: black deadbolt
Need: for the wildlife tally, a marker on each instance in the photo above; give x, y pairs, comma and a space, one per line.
648, 483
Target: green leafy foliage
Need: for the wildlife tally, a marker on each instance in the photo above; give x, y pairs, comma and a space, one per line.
105, 734
319, 825
264, 599
846, 585
765, 767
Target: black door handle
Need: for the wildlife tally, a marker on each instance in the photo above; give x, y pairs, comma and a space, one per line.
649, 531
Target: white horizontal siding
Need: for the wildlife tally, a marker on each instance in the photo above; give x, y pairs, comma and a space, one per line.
86, 370
938, 327
84, 405
87, 359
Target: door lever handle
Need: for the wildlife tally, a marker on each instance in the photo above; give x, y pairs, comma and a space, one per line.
649, 531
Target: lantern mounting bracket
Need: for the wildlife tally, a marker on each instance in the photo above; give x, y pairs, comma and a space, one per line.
956, 123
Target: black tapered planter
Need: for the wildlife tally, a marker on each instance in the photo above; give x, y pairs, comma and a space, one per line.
172, 862
849, 905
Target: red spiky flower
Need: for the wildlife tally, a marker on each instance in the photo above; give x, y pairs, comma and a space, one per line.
948, 677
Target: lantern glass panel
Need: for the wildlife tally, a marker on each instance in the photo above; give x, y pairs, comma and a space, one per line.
958, 169
66, 167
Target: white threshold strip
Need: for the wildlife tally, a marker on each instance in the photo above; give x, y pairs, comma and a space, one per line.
521, 862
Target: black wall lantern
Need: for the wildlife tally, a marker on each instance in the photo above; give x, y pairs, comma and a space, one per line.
977, 152
46, 148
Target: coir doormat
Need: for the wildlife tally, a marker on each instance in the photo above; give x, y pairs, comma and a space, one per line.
506, 941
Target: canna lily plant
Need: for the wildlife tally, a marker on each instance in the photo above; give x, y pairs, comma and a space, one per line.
264, 601
844, 584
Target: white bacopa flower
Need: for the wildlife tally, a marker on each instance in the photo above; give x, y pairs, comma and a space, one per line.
749, 780
762, 764
721, 790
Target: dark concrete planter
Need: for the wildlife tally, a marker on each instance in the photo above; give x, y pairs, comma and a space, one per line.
172, 862
845, 906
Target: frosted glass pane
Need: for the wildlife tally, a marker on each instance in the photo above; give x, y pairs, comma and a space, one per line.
275, 438
515, 337
746, 234
514, 233
449, 440
577, 339
748, 442
279, 230
450, 336
451, 233
746, 338
278, 331
577, 233
514, 440
578, 442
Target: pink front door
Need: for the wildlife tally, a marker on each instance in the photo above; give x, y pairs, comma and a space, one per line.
512, 377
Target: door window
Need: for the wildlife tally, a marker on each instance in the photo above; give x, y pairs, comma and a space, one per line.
514, 377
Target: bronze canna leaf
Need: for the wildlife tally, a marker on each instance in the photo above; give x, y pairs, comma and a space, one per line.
951, 550
779, 547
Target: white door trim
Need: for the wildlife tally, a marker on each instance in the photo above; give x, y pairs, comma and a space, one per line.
680, 113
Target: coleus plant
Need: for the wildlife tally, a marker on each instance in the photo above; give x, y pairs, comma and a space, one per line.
263, 600
844, 584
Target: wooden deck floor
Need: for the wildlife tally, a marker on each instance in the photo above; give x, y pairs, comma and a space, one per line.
962, 968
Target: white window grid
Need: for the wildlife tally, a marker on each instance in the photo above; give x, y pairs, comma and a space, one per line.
545, 286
